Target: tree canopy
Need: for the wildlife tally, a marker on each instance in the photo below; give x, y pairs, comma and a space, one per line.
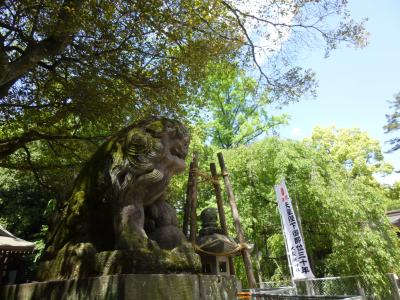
237, 112
73, 72
68, 67
355, 150
77, 70
393, 123
340, 204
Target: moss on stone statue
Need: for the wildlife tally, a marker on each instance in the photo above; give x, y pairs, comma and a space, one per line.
101, 230
156, 126
183, 259
128, 286
147, 260
72, 261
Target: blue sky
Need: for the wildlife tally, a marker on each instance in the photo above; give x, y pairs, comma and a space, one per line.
355, 85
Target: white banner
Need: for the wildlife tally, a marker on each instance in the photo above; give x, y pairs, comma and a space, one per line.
294, 241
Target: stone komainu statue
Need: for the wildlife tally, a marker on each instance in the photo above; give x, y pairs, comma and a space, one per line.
117, 219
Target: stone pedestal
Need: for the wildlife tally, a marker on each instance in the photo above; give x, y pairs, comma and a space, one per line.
128, 286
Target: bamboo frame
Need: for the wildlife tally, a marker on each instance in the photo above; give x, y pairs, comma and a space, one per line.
193, 198
221, 211
236, 219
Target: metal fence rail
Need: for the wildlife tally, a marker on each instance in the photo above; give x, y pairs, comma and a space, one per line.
275, 284
300, 297
331, 287
346, 285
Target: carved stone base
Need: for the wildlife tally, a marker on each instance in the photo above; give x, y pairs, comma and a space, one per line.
130, 286
81, 260
142, 261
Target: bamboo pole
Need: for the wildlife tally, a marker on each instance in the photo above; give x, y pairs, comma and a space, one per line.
221, 211
236, 219
193, 198
218, 196
186, 211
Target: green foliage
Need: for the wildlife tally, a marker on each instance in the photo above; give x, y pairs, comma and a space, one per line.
341, 206
354, 149
393, 123
73, 72
237, 107
343, 216
78, 70
26, 208
112, 62
22, 203
393, 193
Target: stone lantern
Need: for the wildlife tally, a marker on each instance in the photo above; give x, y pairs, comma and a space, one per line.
214, 247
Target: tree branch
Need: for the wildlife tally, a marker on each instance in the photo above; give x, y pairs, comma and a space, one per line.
249, 137
25, 106
21, 167
249, 40
32, 168
9, 146
35, 52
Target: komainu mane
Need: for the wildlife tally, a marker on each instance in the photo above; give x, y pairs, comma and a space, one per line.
117, 219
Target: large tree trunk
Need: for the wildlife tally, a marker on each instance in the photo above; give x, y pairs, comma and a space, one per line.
35, 52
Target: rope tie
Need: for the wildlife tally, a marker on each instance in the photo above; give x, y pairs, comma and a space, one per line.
205, 176
239, 247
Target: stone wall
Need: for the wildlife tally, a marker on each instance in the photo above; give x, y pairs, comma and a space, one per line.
129, 286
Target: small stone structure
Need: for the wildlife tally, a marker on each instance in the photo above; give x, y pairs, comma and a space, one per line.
213, 246
128, 287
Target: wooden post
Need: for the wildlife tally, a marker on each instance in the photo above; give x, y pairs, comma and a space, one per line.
218, 196
193, 198
393, 286
221, 211
236, 219
188, 204
3, 260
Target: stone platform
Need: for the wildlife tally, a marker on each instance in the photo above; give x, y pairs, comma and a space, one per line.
128, 286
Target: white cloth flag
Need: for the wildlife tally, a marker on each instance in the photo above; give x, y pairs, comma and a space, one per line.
294, 241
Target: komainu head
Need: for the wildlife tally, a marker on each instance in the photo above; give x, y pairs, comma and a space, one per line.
150, 151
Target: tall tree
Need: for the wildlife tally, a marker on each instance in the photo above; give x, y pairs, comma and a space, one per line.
354, 149
343, 215
393, 123
66, 65
330, 177
393, 193
237, 110
69, 66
